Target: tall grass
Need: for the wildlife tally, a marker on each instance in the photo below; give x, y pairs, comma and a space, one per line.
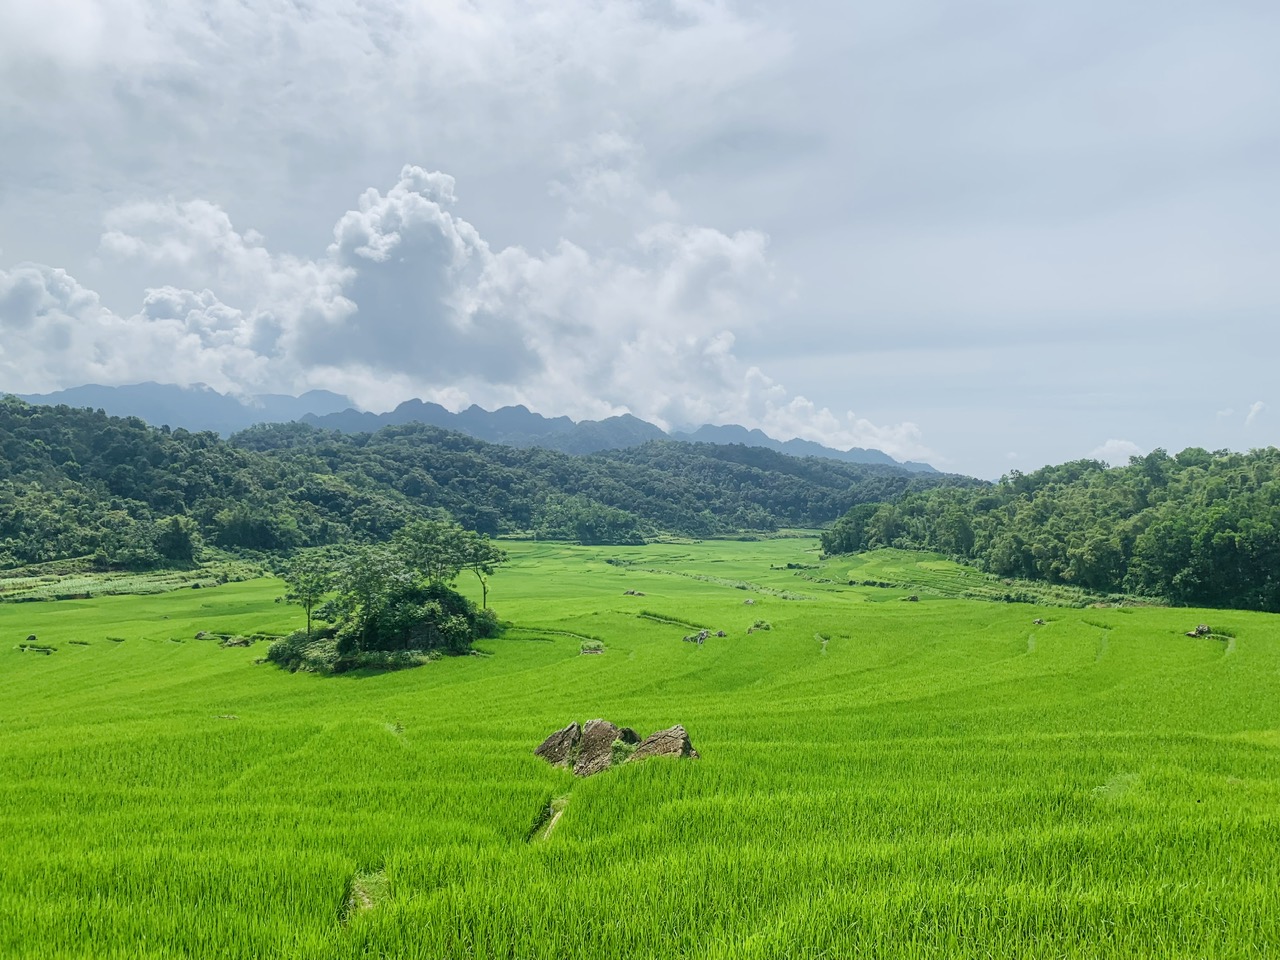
932, 786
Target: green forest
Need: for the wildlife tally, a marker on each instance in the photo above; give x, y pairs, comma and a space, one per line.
76, 483
1200, 528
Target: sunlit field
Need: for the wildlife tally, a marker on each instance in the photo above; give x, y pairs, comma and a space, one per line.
878, 778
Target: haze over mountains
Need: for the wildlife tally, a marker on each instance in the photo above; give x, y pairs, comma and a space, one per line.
202, 408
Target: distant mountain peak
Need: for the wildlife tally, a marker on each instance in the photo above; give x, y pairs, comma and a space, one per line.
200, 407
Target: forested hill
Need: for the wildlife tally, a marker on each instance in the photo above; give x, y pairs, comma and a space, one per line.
76, 483
1198, 528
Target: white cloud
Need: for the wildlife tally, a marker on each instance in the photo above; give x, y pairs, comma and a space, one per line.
1116, 452
410, 299
1255, 410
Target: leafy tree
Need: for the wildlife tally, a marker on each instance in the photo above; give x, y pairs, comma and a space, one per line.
482, 557
177, 540
437, 549
309, 579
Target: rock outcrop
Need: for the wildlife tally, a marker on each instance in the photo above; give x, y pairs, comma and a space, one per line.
595, 752
558, 748
599, 744
672, 742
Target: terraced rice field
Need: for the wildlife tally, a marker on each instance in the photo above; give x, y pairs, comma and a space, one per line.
878, 779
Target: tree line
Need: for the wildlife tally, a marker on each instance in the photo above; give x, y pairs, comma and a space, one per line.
1200, 528
76, 483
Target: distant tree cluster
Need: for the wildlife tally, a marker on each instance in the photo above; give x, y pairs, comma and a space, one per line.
397, 597
1198, 528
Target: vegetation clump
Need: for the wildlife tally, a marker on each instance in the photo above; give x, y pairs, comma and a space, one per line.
1197, 529
389, 607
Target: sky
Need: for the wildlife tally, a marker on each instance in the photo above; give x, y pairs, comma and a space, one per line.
982, 233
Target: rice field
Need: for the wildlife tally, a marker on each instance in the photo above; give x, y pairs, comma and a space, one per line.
938, 779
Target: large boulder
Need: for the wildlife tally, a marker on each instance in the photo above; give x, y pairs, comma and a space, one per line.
672, 742
558, 748
595, 752
590, 749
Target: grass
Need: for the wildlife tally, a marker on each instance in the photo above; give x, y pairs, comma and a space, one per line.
933, 779
67, 580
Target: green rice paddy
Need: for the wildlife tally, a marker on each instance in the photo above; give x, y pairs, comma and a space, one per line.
942, 779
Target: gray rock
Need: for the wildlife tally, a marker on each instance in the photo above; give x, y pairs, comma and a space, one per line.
672, 742
595, 750
627, 735
559, 747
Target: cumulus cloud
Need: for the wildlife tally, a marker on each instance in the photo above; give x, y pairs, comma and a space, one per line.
1255, 410
410, 299
58, 333
1116, 452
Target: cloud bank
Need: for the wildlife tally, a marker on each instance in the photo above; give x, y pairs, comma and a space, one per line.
409, 299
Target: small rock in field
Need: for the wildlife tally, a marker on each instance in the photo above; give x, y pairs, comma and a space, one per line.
672, 742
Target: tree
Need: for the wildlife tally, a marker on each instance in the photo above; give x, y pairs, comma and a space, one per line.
178, 540
437, 549
367, 583
309, 577
481, 556
384, 603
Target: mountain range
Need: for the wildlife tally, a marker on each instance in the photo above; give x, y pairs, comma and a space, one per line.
200, 407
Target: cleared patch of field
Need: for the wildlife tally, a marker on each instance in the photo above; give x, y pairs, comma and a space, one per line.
877, 779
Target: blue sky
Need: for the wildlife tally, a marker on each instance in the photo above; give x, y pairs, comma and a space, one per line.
991, 235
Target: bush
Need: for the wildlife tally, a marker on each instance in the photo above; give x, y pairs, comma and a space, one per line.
319, 654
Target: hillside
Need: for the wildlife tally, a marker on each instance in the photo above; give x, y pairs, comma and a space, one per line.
1198, 528
201, 408
79, 483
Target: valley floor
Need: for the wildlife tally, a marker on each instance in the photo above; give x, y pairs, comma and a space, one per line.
942, 778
